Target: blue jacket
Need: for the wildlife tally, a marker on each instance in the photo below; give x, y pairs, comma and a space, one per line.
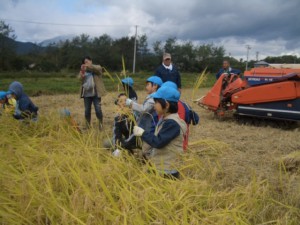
25, 107
169, 75
169, 131
230, 70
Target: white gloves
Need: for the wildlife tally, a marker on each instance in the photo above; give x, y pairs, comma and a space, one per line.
138, 131
128, 102
116, 153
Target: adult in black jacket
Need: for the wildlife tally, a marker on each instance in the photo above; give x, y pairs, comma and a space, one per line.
168, 72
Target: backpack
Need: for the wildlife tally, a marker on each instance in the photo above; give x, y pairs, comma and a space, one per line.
191, 117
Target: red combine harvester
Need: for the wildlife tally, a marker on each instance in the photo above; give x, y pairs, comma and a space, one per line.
265, 92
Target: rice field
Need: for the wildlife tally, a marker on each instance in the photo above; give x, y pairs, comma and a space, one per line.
232, 173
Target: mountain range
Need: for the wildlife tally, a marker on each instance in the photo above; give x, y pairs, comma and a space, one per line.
23, 48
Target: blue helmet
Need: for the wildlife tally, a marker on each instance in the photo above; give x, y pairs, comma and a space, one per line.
155, 80
128, 81
3, 95
167, 93
170, 84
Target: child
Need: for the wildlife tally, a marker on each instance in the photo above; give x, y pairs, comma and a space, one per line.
185, 113
145, 113
168, 136
24, 106
128, 88
123, 127
147, 118
7, 104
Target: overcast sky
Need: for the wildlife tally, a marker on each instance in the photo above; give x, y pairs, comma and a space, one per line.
270, 27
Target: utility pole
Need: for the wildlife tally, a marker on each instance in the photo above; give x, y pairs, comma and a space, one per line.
257, 54
248, 48
134, 53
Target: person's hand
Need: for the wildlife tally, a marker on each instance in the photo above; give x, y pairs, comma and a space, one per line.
82, 70
116, 153
88, 64
128, 102
138, 131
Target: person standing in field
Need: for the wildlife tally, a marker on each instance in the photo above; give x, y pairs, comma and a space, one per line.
227, 69
168, 72
92, 89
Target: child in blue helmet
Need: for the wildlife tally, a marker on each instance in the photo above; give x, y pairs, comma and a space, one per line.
147, 118
166, 141
24, 106
7, 104
185, 112
146, 115
128, 88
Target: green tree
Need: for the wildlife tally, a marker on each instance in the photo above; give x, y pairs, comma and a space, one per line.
7, 47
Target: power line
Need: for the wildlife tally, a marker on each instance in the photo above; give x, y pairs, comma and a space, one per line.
66, 24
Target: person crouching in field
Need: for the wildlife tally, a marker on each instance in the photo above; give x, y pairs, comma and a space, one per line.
7, 104
185, 113
92, 89
166, 141
146, 115
123, 137
25, 109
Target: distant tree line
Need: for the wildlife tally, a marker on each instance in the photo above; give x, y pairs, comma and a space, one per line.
108, 52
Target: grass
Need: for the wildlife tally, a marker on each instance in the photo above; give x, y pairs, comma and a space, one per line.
232, 174
37, 83
50, 174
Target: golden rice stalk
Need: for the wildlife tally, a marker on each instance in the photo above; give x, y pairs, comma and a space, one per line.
108, 74
123, 67
200, 80
49, 175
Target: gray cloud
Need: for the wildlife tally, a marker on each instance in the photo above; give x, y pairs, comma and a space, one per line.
270, 26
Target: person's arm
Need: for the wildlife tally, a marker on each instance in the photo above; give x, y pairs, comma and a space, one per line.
178, 81
146, 107
170, 130
81, 72
27, 109
96, 69
219, 74
158, 72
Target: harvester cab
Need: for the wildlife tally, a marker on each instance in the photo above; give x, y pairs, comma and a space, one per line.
218, 99
264, 92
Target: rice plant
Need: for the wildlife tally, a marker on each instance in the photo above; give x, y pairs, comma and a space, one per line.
52, 174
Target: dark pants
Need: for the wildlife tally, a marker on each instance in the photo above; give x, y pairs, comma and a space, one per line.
123, 128
88, 101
